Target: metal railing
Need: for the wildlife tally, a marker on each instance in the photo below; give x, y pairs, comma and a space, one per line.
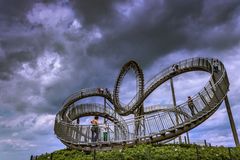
155, 125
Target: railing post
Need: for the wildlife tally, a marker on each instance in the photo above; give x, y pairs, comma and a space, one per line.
207, 92
212, 88
234, 131
204, 100
161, 122
156, 124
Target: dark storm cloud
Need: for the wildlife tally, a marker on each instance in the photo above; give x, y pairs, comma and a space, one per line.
158, 28
167, 26
20, 40
11, 13
18, 49
99, 13
12, 10
148, 30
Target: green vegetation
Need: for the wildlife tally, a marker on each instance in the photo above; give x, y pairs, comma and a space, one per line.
150, 152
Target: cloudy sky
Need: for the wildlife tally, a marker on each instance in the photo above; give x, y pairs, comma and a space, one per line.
51, 49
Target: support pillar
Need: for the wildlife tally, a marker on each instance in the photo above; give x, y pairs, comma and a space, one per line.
205, 142
105, 104
185, 139
231, 120
139, 113
139, 121
188, 139
175, 105
115, 127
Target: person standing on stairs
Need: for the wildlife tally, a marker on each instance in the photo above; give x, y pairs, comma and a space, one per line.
95, 129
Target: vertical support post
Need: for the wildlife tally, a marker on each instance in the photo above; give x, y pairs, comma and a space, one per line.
188, 139
205, 142
139, 126
234, 131
115, 129
105, 121
139, 116
175, 105
144, 127
185, 139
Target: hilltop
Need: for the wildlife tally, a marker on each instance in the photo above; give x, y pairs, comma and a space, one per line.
149, 152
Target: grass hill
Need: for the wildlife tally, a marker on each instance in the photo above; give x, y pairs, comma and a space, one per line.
150, 152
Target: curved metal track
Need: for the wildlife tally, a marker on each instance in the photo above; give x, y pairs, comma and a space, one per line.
150, 124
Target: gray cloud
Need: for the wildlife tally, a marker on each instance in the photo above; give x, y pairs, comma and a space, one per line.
101, 13
170, 26
12, 10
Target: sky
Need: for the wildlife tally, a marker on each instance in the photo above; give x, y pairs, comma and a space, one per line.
51, 49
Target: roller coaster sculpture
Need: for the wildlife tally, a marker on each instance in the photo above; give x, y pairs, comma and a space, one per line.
150, 124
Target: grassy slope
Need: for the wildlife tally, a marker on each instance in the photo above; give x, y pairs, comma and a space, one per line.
149, 152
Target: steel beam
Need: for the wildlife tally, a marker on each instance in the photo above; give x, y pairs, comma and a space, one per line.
175, 105
231, 120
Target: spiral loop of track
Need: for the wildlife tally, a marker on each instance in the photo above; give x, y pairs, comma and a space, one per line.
156, 123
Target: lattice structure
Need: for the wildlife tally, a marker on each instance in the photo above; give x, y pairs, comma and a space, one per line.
149, 125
